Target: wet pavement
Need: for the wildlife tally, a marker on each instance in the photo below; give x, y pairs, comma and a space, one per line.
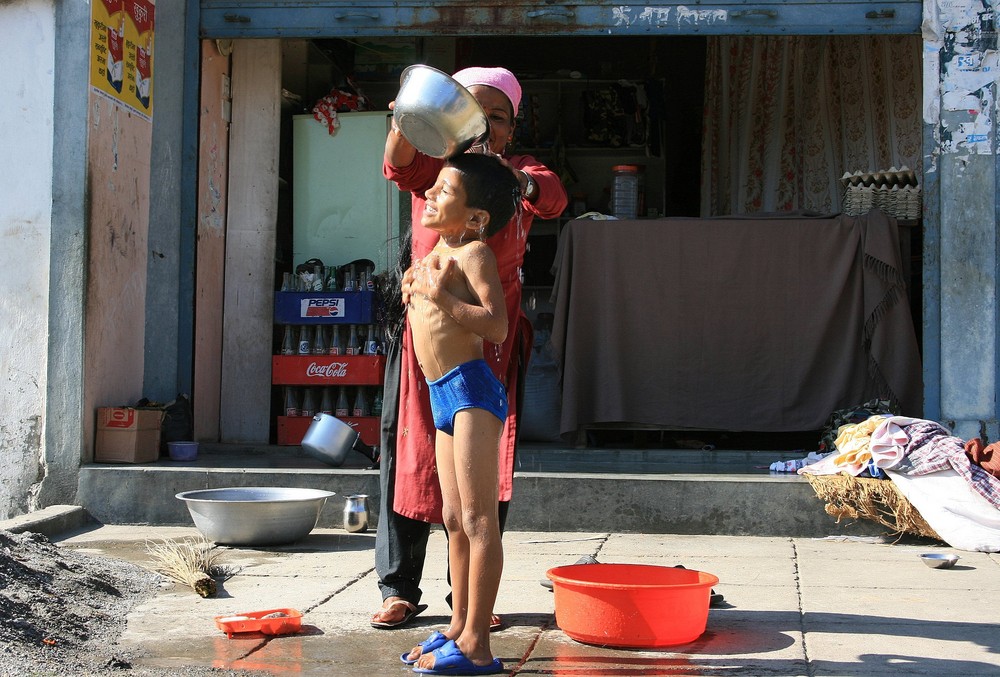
793, 606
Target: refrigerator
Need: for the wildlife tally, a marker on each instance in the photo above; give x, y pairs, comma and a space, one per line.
342, 207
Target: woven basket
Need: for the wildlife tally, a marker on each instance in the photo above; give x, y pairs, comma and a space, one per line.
880, 501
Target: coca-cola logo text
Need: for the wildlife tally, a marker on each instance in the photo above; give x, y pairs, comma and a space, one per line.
331, 370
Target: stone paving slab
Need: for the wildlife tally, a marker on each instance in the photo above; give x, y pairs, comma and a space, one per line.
794, 606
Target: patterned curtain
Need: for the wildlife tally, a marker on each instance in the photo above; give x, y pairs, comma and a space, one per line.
786, 117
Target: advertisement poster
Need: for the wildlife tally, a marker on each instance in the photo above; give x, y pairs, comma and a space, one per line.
121, 52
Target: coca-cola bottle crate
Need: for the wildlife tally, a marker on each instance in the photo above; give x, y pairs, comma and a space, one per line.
324, 307
291, 429
305, 370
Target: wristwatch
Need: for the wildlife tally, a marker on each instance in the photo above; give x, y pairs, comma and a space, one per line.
530, 188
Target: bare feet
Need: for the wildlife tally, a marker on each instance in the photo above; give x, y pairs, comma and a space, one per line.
453, 657
436, 640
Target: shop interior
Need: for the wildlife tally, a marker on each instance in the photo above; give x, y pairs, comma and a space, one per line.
564, 122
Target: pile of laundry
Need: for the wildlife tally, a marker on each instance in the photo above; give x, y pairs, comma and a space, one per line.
954, 484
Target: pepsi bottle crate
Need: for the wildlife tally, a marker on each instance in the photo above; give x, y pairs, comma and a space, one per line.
306, 370
319, 307
291, 429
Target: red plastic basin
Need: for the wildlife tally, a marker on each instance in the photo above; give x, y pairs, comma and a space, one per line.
631, 605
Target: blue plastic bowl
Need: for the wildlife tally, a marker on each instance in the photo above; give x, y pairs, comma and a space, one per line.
182, 451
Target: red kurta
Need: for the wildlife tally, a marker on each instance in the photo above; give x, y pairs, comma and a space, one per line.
418, 494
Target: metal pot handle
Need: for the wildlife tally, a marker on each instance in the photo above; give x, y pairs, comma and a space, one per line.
365, 450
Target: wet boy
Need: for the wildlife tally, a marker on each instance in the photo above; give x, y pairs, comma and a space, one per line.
474, 196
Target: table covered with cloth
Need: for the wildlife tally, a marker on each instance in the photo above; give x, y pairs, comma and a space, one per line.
733, 323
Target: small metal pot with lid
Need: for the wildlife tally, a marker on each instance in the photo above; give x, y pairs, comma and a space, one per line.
329, 439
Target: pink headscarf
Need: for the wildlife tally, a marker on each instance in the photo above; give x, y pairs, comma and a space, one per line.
497, 77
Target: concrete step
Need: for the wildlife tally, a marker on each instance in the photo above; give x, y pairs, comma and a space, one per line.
724, 492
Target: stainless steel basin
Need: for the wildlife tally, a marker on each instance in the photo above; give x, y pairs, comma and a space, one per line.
255, 515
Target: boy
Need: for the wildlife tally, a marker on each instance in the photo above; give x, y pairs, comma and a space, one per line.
474, 196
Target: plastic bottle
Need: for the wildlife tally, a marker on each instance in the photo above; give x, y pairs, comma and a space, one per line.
625, 191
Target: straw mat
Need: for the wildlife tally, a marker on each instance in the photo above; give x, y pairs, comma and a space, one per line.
880, 501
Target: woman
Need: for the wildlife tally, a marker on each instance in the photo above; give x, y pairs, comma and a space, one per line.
410, 498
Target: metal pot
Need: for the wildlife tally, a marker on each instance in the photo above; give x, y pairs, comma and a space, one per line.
436, 114
329, 439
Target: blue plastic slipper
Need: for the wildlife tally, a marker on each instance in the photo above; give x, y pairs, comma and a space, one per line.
435, 641
449, 660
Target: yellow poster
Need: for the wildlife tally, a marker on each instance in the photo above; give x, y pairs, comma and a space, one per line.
121, 54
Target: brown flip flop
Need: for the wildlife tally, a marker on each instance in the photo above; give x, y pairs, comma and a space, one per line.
411, 612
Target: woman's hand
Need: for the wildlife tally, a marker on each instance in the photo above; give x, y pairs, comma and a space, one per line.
522, 178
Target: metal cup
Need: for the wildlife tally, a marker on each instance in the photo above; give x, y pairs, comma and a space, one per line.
356, 513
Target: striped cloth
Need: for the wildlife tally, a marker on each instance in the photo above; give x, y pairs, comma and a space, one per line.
932, 448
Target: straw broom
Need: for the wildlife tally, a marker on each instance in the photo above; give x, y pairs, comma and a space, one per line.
187, 562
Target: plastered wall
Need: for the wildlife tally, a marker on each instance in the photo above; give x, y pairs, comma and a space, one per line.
27, 31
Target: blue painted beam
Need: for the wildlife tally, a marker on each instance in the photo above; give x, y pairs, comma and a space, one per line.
327, 18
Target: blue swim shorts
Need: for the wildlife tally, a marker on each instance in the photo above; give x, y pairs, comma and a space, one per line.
471, 385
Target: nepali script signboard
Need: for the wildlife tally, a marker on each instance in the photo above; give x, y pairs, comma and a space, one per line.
121, 52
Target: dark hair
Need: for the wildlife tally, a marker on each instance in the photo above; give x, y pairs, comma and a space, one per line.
488, 185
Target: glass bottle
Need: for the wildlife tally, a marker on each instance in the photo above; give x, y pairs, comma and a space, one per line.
377, 403
371, 344
308, 403
287, 282
336, 346
317, 284
343, 409
361, 402
305, 340
319, 345
288, 344
291, 402
326, 402
353, 346
331, 278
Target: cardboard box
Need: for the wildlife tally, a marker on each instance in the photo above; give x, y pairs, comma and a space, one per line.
127, 435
